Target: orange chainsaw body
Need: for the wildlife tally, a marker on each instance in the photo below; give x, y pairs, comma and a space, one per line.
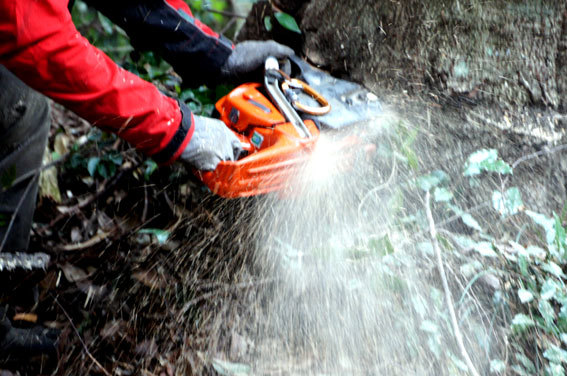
275, 150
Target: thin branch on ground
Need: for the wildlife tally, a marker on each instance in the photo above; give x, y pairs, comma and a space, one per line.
36, 172
226, 289
380, 187
107, 186
528, 157
85, 348
448, 296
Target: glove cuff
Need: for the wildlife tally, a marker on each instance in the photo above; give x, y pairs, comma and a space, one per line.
180, 139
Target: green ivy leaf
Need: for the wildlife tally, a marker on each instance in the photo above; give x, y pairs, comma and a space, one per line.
268, 23
509, 203
553, 268
442, 194
476, 160
102, 170
526, 363
524, 266
471, 222
521, 322
106, 24
525, 295
429, 181
149, 168
485, 249
429, 327
466, 217
160, 235
549, 289
115, 158
536, 252
287, 22
497, 366
498, 166
486, 160
546, 223
458, 362
554, 369
547, 312
560, 235
92, 164
555, 354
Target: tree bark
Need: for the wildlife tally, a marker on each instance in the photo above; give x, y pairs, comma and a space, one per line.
487, 73
511, 52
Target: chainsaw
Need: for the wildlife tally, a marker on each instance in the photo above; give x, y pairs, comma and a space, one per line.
279, 124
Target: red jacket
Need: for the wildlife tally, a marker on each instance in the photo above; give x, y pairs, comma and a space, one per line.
40, 45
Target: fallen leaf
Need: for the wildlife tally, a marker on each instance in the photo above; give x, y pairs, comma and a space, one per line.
76, 235
100, 235
149, 279
73, 273
48, 184
111, 329
61, 144
28, 317
147, 348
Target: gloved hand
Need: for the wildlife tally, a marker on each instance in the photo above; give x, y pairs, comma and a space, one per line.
249, 56
212, 142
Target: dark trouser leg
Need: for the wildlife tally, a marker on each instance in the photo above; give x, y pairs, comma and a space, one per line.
24, 127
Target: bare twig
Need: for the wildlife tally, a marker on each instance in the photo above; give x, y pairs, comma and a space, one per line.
145, 211
107, 186
448, 296
228, 25
379, 187
96, 362
226, 289
35, 172
528, 157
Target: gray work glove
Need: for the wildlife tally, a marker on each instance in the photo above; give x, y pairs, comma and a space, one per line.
212, 142
249, 56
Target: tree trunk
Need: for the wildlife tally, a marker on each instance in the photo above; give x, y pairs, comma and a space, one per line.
510, 52
486, 73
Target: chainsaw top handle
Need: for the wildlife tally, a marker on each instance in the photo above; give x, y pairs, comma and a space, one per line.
289, 84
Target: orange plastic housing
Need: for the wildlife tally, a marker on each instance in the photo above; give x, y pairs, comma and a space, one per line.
275, 149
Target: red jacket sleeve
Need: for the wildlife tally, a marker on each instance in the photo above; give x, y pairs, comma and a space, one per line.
40, 44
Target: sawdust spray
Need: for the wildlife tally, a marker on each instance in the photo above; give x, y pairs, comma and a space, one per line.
350, 293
